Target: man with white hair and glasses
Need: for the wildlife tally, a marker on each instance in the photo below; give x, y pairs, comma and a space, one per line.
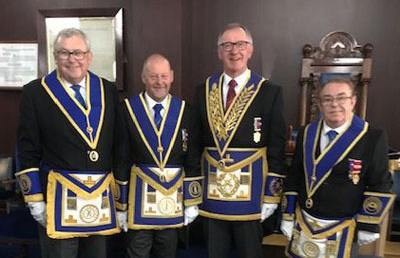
65, 145
242, 142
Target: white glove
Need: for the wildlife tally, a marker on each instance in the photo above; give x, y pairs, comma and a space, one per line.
366, 237
191, 212
38, 211
267, 209
122, 217
287, 228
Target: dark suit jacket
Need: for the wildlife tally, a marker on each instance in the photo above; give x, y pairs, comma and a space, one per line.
267, 105
130, 148
45, 136
338, 196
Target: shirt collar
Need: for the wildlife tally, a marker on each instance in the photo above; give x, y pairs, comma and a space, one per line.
240, 80
151, 102
339, 130
82, 83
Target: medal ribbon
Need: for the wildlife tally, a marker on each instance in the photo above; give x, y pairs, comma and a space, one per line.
317, 170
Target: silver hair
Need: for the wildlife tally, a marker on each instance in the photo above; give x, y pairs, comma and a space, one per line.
70, 32
232, 26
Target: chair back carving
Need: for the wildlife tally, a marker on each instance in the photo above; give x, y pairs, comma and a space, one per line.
338, 55
5, 168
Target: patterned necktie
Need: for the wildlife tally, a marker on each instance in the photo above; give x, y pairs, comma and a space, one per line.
231, 93
78, 95
157, 114
331, 135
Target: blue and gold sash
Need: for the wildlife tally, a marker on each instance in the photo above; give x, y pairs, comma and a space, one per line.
318, 169
159, 142
87, 122
223, 124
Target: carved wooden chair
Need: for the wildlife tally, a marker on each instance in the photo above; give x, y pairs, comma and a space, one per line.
394, 219
9, 192
338, 55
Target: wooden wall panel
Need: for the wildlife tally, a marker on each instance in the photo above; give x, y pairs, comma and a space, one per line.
149, 26
9, 107
281, 28
186, 32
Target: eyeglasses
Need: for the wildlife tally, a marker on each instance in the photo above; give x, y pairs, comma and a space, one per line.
78, 55
340, 100
240, 45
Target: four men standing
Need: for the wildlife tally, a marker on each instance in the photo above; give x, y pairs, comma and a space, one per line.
71, 128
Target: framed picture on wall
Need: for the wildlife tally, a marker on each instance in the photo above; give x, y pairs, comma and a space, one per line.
104, 30
18, 64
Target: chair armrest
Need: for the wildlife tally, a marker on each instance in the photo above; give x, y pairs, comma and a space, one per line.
8, 183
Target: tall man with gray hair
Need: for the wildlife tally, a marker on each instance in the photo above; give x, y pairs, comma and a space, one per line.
65, 144
242, 142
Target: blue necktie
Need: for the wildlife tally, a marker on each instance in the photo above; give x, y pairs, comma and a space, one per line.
331, 135
78, 95
157, 114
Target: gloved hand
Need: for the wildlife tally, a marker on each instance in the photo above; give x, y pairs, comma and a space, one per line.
267, 209
38, 211
366, 237
287, 228
190, 214
122, 217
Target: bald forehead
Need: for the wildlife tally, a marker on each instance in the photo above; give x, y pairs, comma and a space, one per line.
155, 59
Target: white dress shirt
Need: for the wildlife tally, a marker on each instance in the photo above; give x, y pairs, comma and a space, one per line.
324, 141
82, 89
240, 80
151, 103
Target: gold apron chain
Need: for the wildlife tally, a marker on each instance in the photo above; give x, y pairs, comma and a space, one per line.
93, 154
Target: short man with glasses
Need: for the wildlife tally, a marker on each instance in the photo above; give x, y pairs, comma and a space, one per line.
65, 146
242, 140
336, 191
